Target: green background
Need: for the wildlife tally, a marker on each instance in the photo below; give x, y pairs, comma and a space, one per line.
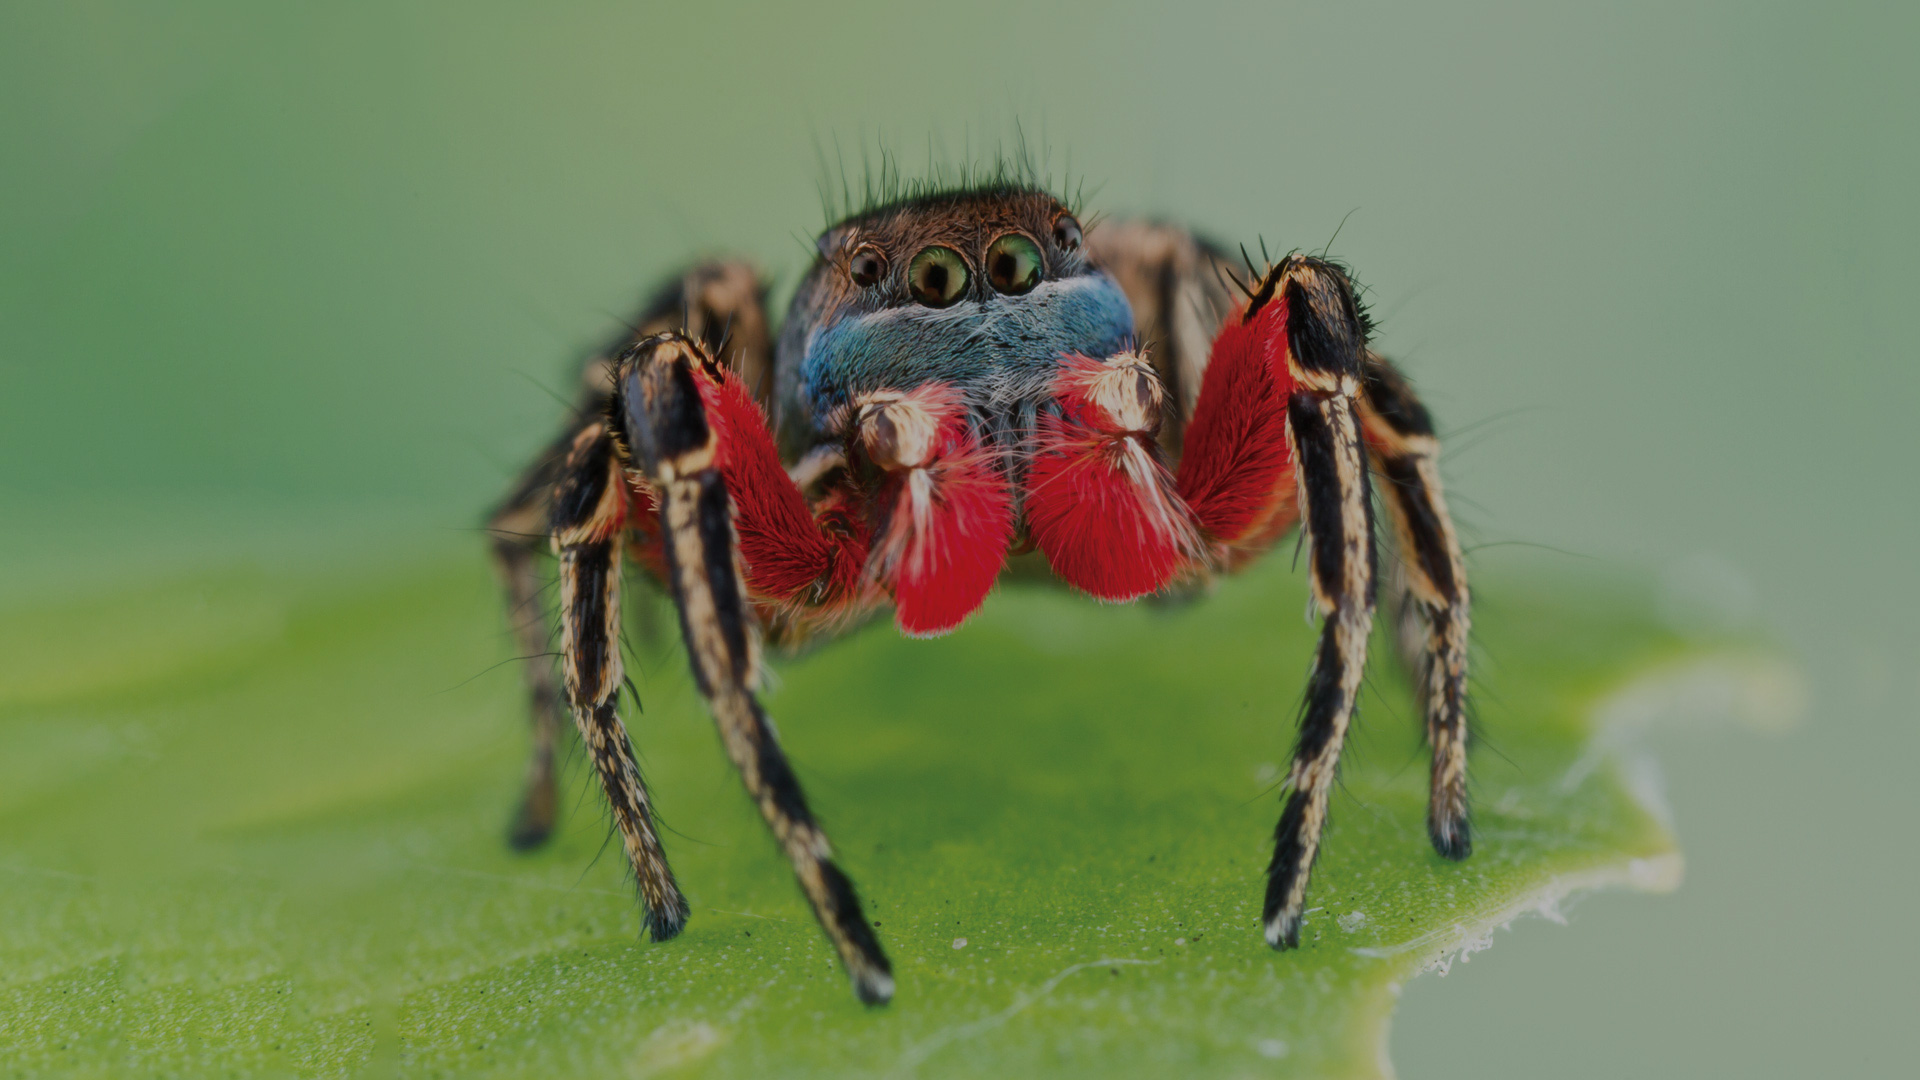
276, 284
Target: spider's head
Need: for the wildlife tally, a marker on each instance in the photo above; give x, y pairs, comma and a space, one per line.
985, 289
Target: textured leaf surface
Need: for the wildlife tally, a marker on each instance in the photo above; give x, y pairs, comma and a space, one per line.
251, 823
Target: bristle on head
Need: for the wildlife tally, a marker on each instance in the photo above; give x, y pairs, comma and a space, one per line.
878, 183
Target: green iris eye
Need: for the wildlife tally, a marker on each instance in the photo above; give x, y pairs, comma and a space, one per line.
937, 277
1013, 264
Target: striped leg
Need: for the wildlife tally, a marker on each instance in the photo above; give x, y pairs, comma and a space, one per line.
1435, 613
1276, 433
659, 406
519, 528
588, 515
1324, 341
721, 302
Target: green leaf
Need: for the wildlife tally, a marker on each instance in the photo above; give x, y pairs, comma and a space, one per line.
253, 825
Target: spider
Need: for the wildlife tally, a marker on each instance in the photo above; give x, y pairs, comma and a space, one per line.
964, 376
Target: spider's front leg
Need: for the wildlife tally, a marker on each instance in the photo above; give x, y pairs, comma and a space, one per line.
720, 302
691, 434
1276, 428
1336, 516
589, 513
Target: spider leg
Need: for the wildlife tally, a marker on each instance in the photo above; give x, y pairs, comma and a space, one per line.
519, 530
1245, 480
589, 509
721, 302
1433, 605
1275, 432
1324, 346
665, 419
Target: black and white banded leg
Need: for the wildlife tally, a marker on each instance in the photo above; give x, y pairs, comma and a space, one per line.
519, 527
588, 516
720, 302
1326, 341
658, 406
1434, 613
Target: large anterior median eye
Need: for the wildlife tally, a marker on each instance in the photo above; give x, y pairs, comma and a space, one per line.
1013, 264
937, 277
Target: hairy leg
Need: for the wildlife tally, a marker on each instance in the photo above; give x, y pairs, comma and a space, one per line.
1435, 615
720, 302
1276, 432
589, 513
520, 537
1245, 489
666, 421
1325, 339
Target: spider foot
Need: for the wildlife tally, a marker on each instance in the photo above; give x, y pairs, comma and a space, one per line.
1296, 841
1450, 831
533, 822
665, 922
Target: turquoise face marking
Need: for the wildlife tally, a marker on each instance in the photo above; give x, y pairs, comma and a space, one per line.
1002, 352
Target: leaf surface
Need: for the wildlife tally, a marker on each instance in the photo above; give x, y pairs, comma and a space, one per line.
252, 823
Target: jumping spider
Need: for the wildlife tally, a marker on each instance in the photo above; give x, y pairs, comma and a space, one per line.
963, 375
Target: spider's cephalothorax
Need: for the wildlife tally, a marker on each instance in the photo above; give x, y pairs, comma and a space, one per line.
961, 376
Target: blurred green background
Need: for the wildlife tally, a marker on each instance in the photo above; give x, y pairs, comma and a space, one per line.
278, 281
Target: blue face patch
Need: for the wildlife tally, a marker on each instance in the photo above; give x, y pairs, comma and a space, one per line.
999, 352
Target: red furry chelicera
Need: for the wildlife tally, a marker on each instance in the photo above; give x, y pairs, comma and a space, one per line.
1100, 504
949, 521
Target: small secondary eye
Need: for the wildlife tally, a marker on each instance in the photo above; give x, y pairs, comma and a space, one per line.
1013, 264
867, 267
1066, 232
937, 277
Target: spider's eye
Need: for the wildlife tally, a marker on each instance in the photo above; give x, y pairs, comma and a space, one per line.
1066, 232
867, 267
937, 277
1013, 264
